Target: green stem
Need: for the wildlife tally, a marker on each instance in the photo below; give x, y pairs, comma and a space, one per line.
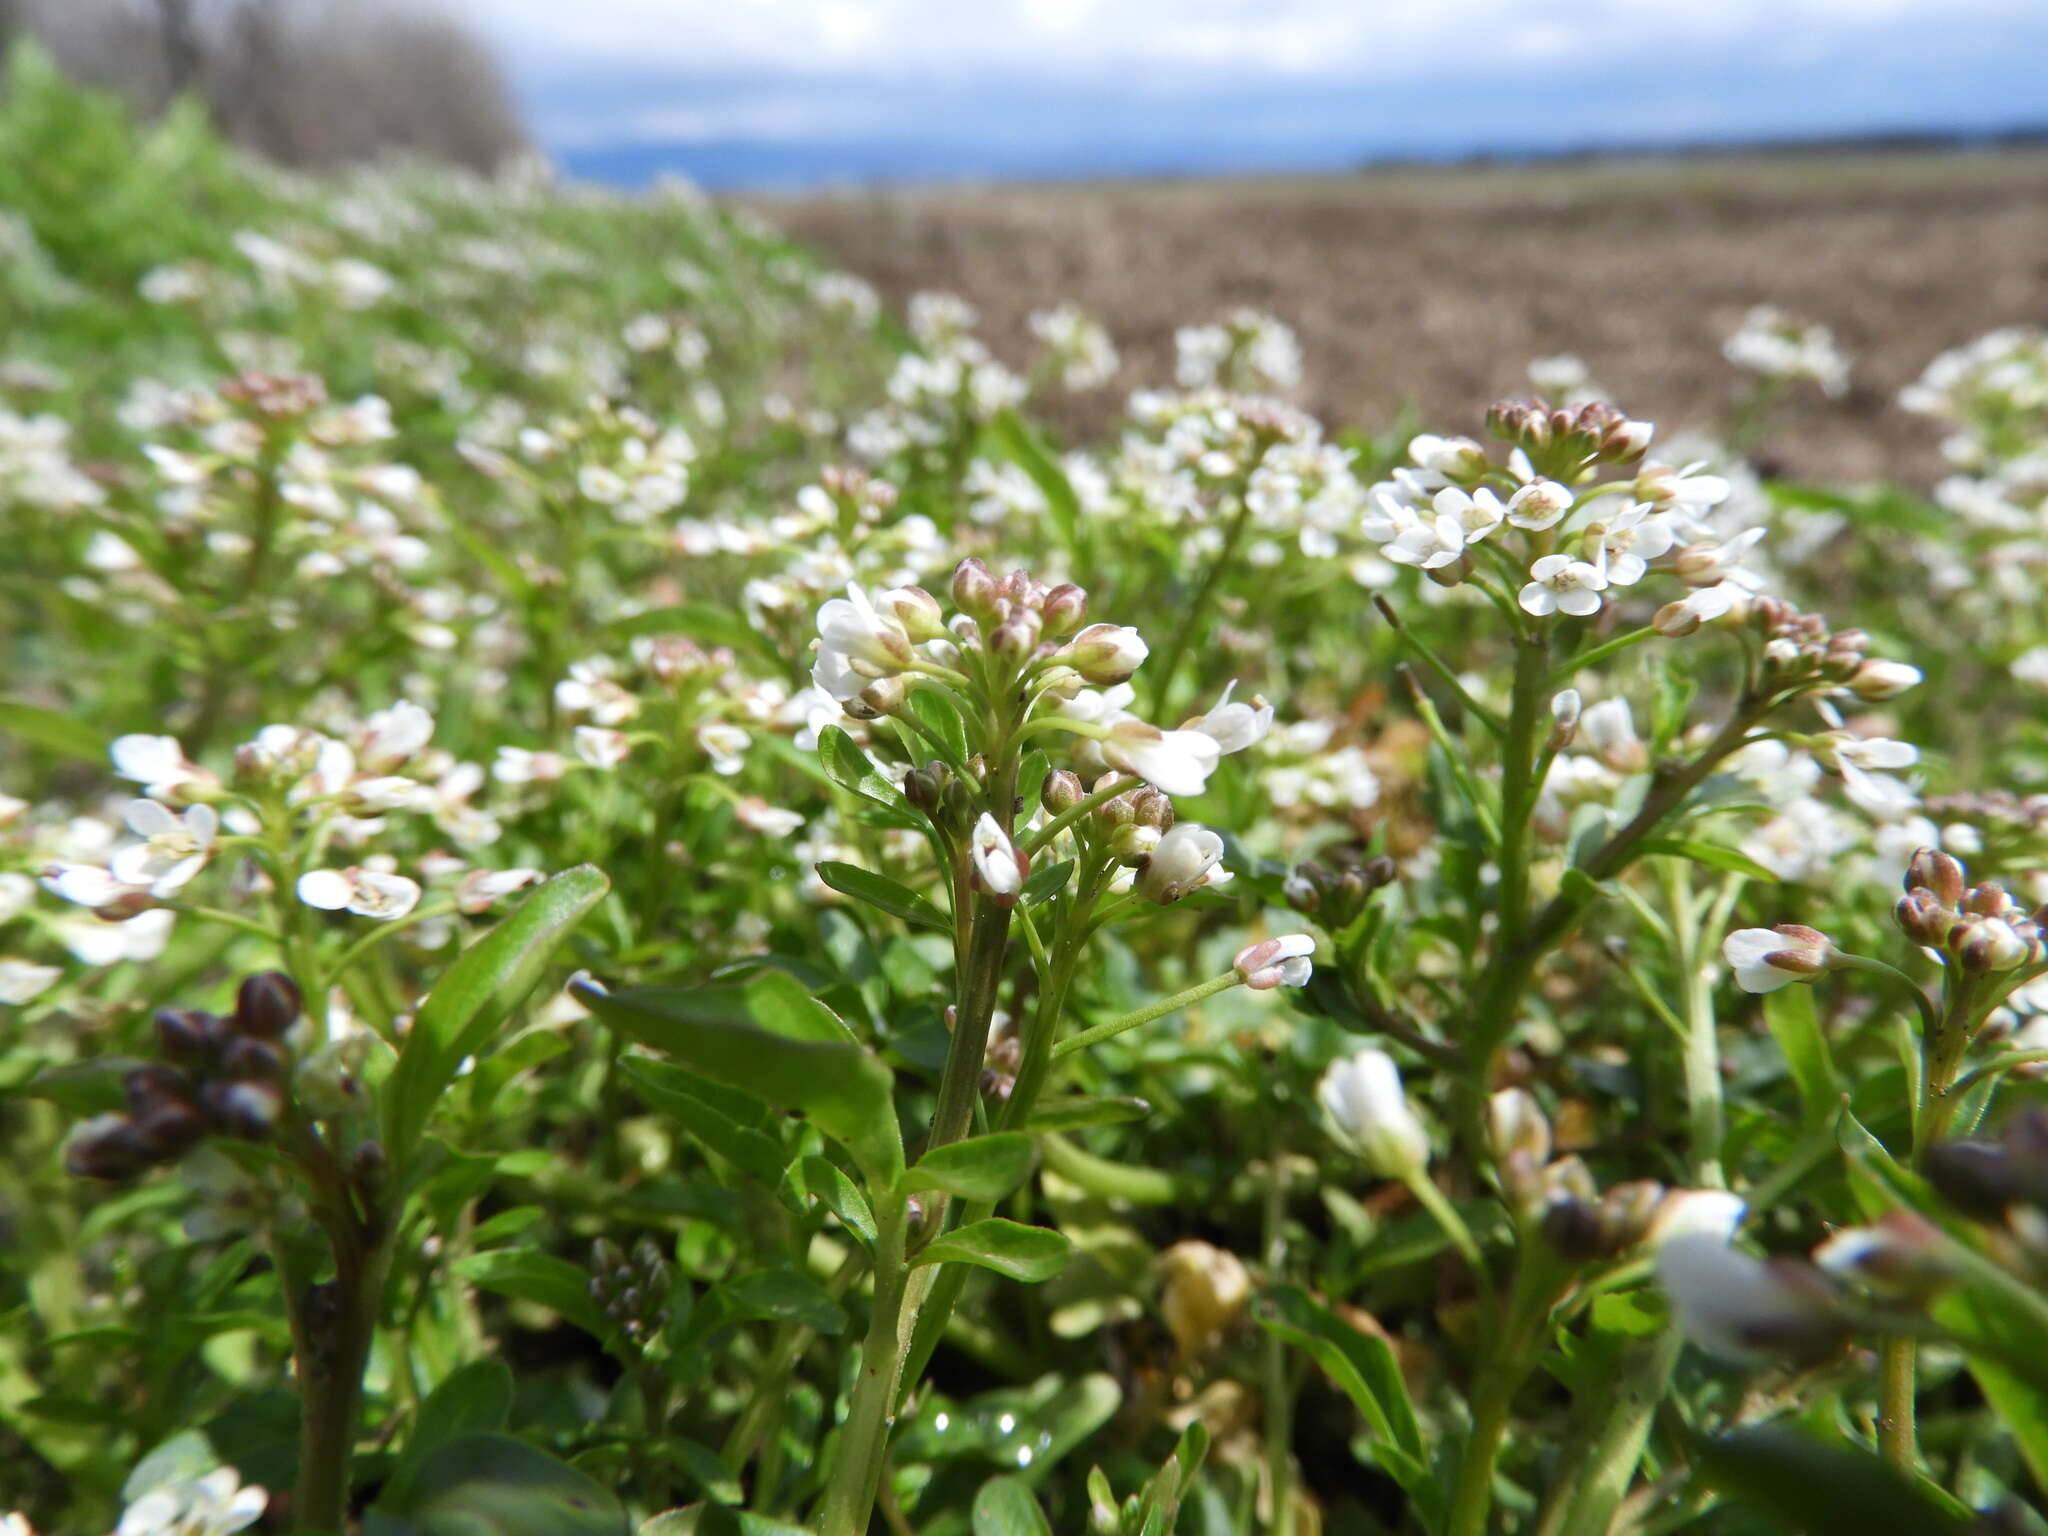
1586, 1506
1279, 1385
849, 1498
1146, 1015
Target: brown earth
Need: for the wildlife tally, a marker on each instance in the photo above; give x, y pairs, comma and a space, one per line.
1437, 287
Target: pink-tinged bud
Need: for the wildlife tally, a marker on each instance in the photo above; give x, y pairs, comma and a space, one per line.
974, 587
999, 864
1765, 959
1062, 792
1149, 808
1105, 654
916, 610
1938, 872
1016, 637
1064, 608
1923, 918
1902, 1254
1279, 962
1988, 946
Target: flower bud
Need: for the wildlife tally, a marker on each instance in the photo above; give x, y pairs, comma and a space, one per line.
1105, 654
1001, 866
1185, 860
1978, 1178
1277, 962
1063, 609
974, 587
1016, 637
1988, 946
923, 787
188, 1036
1765, 959
254, 1060
884, 696
1362, 1096
1149, 808
1518, 1127
1749, 1309
916, 610
1901, 1254
1936, 871
1921, 916
1876, 681
1565, 709
267, 1004
1061, 792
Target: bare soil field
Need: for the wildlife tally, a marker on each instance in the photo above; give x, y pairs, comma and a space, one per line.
1435, 287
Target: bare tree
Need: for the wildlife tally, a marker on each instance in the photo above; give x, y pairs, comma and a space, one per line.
305, 82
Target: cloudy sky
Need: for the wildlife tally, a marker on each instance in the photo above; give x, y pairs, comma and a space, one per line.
803, 91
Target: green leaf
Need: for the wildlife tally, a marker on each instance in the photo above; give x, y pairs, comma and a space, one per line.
526, 1274
935, 712
983, 1168
850, 768
880, 891
822, 1180
493, 1485
1009, 1248
1082, 1113
1713, 855
709, 1520
1041, 885
682, 1095
475, 1399
1005, 1506
475, 994
1364, 1367
794, 1053
1821, 1489
782, 1295
1794, 1023
1023, 448
62, 734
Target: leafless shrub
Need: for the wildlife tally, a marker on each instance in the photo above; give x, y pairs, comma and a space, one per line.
305, 82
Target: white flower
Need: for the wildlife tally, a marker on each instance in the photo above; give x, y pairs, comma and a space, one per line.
1188, 857
160, 764
518, 765
480, 889
724, 744
1278, 962
1538, 505
1428, 543
1560, 584
1446, 455
365, 892
390, 737
22, 981
856, 645
1174, 762
173, 850
1610, 731
94, 941
1703, 605
1712, 1213
1477, 513
1001, 867
214, 1505
1363, 1098
1234, 726
1743, 1308
1628, 542
589, 689
601, 748
1877, 680
94, 886
1765, 959
758, 815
